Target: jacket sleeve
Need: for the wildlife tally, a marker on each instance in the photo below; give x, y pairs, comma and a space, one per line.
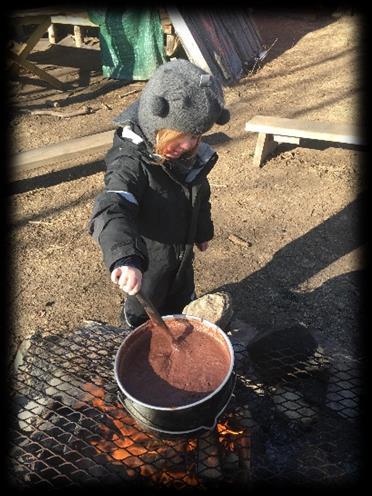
205, 230
113, 223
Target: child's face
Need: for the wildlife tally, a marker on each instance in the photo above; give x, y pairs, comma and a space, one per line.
181, 145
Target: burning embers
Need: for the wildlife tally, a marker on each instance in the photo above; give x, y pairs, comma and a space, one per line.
70, 429
139, 452
170, 462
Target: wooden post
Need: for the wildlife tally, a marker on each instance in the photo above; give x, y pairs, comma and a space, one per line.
265, 145
78, 33
171, 44
52, 34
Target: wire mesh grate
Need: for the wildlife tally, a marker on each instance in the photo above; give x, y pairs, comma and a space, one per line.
293, 417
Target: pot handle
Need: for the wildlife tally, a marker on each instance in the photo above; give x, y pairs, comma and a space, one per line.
211, 427
120, 396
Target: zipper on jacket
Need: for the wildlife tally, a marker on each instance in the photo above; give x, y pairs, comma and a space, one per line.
180, 251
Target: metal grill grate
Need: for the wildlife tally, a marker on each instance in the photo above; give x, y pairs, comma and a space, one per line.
293, 417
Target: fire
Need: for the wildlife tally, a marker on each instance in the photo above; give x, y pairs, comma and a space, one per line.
140, 453
94, 390
190, 480
176, 463
120, 454
229, 437
223, 429
191, 445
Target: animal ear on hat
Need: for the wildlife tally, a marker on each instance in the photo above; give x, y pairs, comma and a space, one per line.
159, 106
224, 117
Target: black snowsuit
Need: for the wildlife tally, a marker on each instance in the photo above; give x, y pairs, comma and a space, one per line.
150, 211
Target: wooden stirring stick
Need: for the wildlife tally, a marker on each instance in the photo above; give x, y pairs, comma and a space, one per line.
155, 317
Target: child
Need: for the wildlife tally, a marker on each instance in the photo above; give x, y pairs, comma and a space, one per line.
155, 204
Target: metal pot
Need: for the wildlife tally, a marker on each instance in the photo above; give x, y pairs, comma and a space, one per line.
194, 417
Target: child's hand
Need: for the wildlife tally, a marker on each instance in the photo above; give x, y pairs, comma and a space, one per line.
202, 246
128, 278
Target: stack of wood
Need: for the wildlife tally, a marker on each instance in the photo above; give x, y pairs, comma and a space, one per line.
172, 41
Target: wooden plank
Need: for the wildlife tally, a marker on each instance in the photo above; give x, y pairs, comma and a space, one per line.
168, 29
80, 19
34, 12
26, 64
171, 44
25, 20
61, 15
38, 32
165, 21
221, 40
286, 139
189, 44
71, 16
318, 130
60, 152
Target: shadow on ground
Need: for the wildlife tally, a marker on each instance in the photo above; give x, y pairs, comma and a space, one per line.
280, 29
269, 298
56, 177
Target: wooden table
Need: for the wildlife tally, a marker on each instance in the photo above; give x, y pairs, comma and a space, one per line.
46, 19
43, 20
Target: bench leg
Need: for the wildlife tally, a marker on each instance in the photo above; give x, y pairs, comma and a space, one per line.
52, 34
79, 36
265, 145
30, 66
25, 48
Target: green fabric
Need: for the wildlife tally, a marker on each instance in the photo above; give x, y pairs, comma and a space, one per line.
132, 42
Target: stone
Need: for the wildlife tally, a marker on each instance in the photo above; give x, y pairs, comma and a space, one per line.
214, 307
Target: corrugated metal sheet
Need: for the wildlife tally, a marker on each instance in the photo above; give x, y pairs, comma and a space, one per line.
225, 43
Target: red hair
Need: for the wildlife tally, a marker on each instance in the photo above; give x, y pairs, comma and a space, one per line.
164, 137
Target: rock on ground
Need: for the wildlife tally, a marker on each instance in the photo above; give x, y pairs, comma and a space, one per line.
214, 307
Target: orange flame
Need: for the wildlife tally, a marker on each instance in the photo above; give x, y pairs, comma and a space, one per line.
223, 429
191, 445
142, 453
175, 476
229, 437
138, 451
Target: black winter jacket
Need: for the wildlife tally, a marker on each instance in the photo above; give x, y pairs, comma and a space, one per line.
147, 210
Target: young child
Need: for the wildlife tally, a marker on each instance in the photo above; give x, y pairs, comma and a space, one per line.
155, 204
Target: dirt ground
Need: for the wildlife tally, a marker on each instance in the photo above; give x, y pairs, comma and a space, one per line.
299, 215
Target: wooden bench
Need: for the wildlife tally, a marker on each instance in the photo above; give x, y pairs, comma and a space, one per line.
274, 130
59, 153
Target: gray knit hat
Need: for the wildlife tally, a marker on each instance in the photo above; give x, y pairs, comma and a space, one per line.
181, 96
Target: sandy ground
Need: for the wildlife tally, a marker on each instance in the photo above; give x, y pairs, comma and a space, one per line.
299, 214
